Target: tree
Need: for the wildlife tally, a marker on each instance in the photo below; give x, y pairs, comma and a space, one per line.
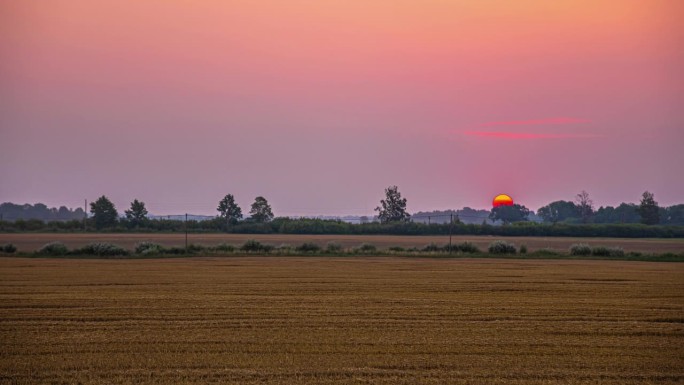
585, 206
674, 215
137, 215
104, 213
508, 214
261, 210
229, 210
393, 207
557, 211
624, 213
648, 209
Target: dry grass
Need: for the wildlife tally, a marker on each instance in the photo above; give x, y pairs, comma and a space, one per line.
32, 242
344, 321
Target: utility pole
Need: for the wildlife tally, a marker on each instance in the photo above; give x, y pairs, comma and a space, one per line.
85, 216
451, 222
186, 232
428, 220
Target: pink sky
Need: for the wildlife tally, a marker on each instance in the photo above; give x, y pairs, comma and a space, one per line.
320, 105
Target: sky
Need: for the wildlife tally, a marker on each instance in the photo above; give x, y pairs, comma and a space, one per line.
319, 105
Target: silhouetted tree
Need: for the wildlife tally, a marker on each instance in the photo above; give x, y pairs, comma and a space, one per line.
674, 215
229, 210
508, 214
624, 213
558, 211
393, 207
104, 213
261, 210
648, 209
585, 206
137, 215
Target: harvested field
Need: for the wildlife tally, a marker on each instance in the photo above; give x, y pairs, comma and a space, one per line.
269, 320
32, 242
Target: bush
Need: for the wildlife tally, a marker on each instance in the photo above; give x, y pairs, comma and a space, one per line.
175, 250
308, 247
501, 247
580, 249
148, 248
53, 249
256, 246
466, 247
523, 249
102, 249
432, 247
9, 248
252, 245
333, 247
603, 251
367, 248
397, 249
546, 252
194, 248
225, 248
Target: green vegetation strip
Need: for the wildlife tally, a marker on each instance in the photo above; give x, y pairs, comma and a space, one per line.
496, 249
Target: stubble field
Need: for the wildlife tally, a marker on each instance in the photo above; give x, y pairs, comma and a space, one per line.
33, 241
277, 320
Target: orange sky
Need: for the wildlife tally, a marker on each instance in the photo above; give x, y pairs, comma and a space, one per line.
294, 99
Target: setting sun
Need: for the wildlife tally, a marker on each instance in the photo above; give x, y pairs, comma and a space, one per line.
502, 200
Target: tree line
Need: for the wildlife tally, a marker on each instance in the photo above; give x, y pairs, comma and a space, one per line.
562, 218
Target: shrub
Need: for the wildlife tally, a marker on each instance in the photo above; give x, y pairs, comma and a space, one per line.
502, 247
102, 249
9, 248
467, 247
194, 248
150, 252
308, 247
546, 252
267, 248
252, 245
603, 251
580, 249
367, 248
175, 250
148, 248
432, 247
523, 249
333, 247
397, 249
53, 249
225, 248
600, 251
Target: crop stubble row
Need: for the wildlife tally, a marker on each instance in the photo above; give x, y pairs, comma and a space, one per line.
29, 242
324, 320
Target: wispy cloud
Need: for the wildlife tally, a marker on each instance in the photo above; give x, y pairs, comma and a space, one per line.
535, 122
527, 135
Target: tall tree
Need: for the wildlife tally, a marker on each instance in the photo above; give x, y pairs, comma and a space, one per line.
557, 211
585, 206
137, 215
648, 209
674, 215
393, 207
508, 214
229, 210
104, 213
261, 210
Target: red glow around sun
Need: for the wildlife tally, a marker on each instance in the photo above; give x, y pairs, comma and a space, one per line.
502, 200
